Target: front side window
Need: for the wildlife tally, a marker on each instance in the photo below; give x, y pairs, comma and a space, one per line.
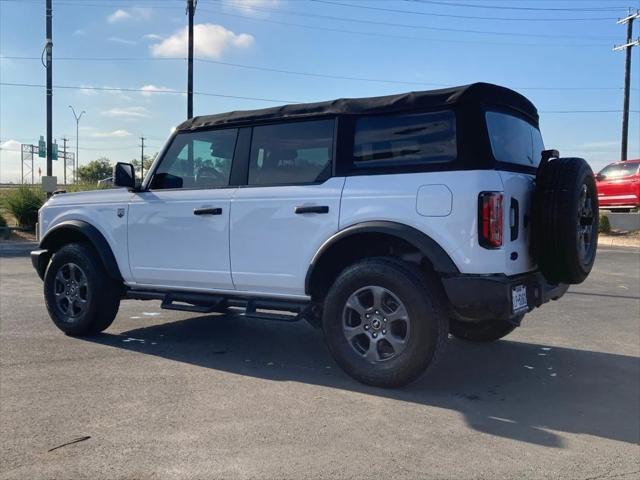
199, 159
291, 153
514, 140
404, 140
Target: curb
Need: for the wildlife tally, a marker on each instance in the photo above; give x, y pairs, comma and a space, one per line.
17, 248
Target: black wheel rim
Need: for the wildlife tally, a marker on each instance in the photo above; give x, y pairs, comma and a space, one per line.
376, 324
585, 231
71, 291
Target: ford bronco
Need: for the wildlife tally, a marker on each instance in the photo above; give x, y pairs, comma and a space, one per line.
388, 222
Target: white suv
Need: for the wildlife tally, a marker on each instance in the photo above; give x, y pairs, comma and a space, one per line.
388, 222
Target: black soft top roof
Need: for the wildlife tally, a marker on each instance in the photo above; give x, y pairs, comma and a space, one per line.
473, 95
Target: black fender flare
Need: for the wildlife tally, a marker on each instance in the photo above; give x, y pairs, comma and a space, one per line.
71, 230
441, 261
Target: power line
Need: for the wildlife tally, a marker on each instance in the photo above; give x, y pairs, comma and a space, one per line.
249, 98
116, 89
531, 9
291, 72
470, 17
403, 37
404, 25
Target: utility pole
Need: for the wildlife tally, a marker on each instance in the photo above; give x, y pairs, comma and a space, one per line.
142, 158
627, 78
64, 156
77, 159
49, 53
191, 8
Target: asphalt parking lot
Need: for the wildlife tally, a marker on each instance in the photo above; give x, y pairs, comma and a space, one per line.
174, 395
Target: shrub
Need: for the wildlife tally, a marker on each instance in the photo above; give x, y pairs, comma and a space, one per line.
605, 226
23, 203
95, 170
3, 222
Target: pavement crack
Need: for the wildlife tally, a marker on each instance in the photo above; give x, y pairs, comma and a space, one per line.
75, 440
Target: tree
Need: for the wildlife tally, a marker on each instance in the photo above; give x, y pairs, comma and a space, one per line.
148, 161
95, 170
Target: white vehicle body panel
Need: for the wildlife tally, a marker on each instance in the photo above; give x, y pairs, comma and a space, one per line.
395, 198
172, 247
271, 246
98, 208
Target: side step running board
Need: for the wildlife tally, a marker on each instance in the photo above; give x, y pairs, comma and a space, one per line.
263, 309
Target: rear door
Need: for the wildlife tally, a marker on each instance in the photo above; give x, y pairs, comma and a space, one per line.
288, 208
517, 147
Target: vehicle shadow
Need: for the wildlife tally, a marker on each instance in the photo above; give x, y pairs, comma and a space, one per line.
517, 390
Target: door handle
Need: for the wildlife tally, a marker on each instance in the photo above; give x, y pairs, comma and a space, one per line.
207, 211
312, 209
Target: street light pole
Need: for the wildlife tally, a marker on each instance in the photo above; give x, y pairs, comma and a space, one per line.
77, 159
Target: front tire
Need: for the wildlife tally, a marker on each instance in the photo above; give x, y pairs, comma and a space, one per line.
482, 331
384, 322
80, 296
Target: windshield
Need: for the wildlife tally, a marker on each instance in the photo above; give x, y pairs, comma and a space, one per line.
514, 140
617, 170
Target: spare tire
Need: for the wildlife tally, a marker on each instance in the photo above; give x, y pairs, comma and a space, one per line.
565, 220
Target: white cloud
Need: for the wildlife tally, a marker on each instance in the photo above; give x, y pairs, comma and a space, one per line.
148, 90
126, 113
135, 13
80, 32
209, 41
11, 145
113, 134
118, 16
123, 41
152, 36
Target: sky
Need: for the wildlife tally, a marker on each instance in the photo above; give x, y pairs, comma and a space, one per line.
123, 63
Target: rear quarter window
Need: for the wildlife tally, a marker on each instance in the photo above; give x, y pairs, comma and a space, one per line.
514, 140
391, 141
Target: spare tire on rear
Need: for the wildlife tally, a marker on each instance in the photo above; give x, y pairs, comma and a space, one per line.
565, 220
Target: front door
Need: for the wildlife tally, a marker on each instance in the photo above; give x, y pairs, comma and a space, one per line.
288, 208
179, 227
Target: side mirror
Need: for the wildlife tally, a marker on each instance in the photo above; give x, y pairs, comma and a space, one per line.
600, 177
124, 175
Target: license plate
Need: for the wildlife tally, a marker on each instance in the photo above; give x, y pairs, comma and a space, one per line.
519, 298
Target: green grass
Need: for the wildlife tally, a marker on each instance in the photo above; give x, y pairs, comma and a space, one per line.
23, 203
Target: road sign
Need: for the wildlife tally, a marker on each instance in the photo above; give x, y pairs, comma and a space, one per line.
42, 147
54, 152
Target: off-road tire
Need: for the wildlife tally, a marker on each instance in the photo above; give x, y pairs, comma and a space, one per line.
418, 293
558, 219
102, 294
482, 331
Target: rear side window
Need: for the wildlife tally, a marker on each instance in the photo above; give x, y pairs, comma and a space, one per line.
404, 140
291, 153
514, 140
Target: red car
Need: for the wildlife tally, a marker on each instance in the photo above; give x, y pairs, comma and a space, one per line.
619, 186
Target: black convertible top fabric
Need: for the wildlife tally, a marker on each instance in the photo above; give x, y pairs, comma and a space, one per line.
473, 95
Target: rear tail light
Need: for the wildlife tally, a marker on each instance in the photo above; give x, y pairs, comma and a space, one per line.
490, 219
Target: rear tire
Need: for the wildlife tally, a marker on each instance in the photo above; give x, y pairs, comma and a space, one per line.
80, 296
384, 322
483, 331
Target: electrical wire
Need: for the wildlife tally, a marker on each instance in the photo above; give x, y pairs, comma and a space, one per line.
531, 9
470, 17
288, 72
243, 97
